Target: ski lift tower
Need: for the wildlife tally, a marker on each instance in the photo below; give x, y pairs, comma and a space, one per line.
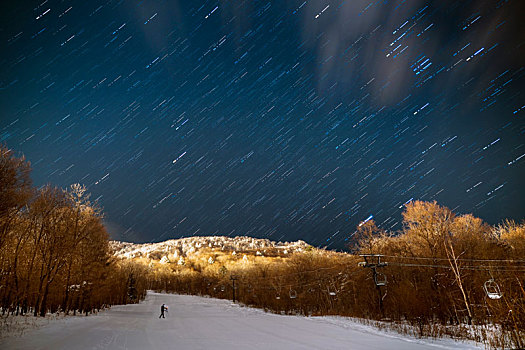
373, 262
233, 278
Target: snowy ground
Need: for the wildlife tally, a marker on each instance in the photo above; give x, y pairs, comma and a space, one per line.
204, 323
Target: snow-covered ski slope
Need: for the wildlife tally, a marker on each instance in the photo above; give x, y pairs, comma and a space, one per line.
203, 323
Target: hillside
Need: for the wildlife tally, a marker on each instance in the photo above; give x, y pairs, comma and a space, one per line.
172, 250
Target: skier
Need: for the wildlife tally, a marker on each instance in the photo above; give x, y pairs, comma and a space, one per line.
163, 308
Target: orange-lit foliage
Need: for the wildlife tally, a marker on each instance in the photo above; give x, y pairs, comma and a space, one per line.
54, 249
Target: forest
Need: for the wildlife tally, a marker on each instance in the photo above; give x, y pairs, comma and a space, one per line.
442, 274
54, 249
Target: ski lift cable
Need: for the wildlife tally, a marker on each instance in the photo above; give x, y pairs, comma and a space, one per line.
459, 259
299, 273
323, 280
474, 268
317, 281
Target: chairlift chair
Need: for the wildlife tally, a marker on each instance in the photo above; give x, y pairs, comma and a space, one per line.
380, 279
492, 289
293, 294
278, 293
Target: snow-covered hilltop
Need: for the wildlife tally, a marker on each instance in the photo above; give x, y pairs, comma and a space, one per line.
192, 245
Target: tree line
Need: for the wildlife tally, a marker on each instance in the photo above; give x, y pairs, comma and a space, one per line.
54, 249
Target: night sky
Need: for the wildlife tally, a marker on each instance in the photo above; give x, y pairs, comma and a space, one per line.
283, 120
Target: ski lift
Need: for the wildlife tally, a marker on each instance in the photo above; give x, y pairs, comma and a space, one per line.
331, 292
380, 279
293, 294
223, 288
492, 290
372, 260
278, 296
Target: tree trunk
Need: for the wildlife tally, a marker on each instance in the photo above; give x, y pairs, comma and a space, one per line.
65, 303
43, 304
453, 261
39, 293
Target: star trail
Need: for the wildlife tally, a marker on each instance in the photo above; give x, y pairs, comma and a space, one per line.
276, 119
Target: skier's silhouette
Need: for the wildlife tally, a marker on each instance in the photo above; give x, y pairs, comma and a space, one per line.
163, 309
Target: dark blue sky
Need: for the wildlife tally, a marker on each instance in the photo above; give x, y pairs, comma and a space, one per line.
284, 120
